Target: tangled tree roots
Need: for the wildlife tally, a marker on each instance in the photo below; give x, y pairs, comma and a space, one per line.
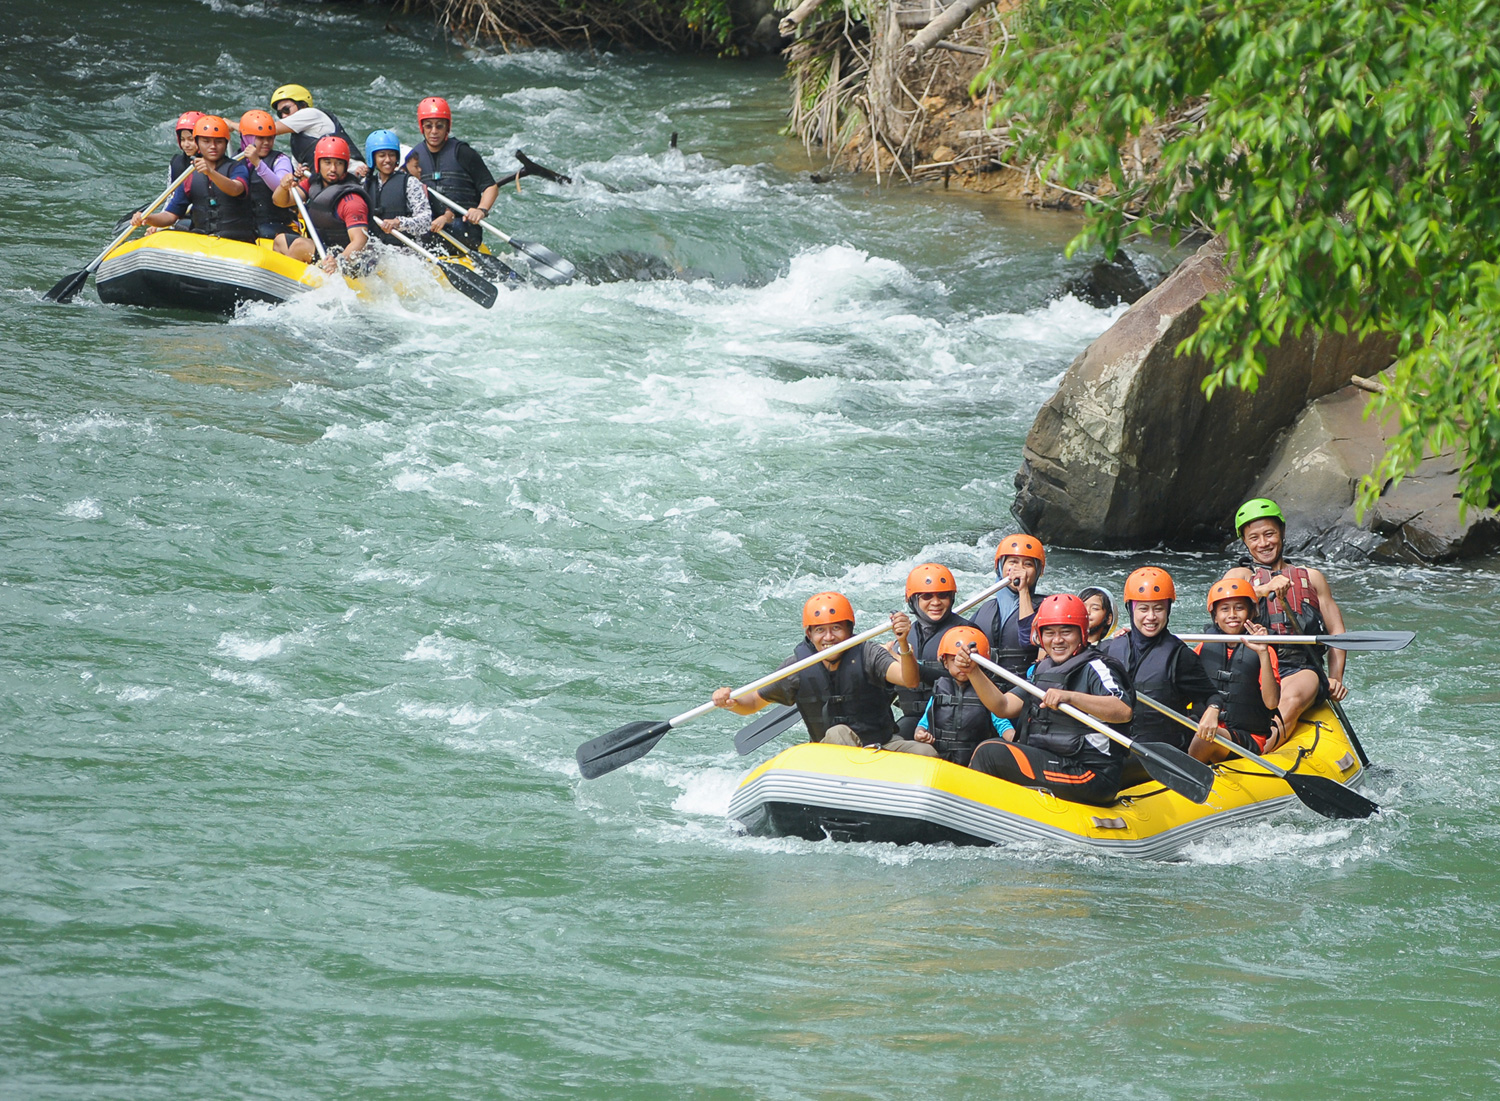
683, 25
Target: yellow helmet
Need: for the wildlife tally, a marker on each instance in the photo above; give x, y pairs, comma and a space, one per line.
293, 92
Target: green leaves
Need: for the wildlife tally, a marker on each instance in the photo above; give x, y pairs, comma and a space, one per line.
1348, 151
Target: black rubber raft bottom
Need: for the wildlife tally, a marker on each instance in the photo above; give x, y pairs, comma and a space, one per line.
168, 291
821, 823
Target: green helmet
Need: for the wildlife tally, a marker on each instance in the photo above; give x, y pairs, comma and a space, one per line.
1259, 509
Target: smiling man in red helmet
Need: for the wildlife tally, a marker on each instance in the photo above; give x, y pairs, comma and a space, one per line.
1049, 749
845, 700
452, 167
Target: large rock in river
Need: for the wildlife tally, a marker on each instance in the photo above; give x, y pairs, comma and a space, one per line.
1315, 474
1128, 453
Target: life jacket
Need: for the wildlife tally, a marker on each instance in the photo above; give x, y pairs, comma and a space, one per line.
924, 639
322, 207
218, 214
1298, 614
181, 162
267, 213
304, 144
387, 200
442, 171
1007, 648
845, 696
958, 720
1060, 733
1234, 669
1155, 675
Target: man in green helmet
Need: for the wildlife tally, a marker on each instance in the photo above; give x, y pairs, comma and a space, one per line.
1291, 600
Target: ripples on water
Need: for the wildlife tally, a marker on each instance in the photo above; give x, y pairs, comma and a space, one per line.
305, 614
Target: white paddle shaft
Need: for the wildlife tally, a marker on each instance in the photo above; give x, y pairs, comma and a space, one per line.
1067, 708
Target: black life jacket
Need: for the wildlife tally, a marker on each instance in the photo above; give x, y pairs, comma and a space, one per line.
1234, 669
958, 720
1299, 613
181, 162
303, 145
1060, 733
267, 213
1155, 675
443, 172
219, 214
322, 207
924, 639
1007, 648
845, 696
387, 200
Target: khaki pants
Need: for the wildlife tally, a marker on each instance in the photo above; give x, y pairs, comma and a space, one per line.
843, 735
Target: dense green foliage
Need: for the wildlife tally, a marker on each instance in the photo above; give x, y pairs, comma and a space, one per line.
1349, 153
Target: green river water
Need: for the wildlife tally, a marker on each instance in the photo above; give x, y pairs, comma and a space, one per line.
304, 615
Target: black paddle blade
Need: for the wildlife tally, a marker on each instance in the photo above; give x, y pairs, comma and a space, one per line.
1172, 768
619, 747
470, 284
1370, 640
531, 168
545, 263
1330, 798
766, 728
493, 268
67, 287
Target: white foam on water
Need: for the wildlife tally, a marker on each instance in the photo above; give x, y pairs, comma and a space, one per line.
432, 648
246, 648
464, 714
85, 508
1327, 845
243, 680
135, 693
93, 426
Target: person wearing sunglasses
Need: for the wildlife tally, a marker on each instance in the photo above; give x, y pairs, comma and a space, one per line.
295, 115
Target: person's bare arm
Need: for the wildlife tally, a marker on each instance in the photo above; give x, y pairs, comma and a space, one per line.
1333, 619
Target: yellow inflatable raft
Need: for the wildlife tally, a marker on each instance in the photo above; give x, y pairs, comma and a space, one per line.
845, 794
173, 269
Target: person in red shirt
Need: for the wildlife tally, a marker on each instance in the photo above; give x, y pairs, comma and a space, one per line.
336, 205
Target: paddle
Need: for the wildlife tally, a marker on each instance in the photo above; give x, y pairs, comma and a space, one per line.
1338, 709
529, 167
67, 288
486, 263
1167, 765
781, 719
546, 263
312, 232
468, 283
1349, 640
1327, 797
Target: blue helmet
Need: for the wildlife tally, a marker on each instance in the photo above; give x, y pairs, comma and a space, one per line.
381, 139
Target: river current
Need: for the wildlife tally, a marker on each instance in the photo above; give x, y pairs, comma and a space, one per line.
304, 614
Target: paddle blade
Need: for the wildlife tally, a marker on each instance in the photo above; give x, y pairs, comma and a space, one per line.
68, 286
545, 263
766, 728
531, 168
1330, 798
1370, 640
619, 747
493, 268
1174, 769
470, 283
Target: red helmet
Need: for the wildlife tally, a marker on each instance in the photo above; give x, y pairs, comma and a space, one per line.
930, 577
827, 608
332, 147
971, 638
211, 126
1149, 583
187, 120
1022, 546
1228, 589
433, 107
257, 124
1060, 609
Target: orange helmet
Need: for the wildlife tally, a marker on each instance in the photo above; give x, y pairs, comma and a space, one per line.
257, 124
930, 577
972, 638
1149, 583
1023, 546
827, 608
332, 147
433, 107
1060, 609
1228, 589
211, 126
187, 120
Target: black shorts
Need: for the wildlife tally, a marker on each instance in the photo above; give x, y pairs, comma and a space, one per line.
1067, 778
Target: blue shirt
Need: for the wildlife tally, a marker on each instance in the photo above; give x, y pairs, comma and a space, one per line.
182, 198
